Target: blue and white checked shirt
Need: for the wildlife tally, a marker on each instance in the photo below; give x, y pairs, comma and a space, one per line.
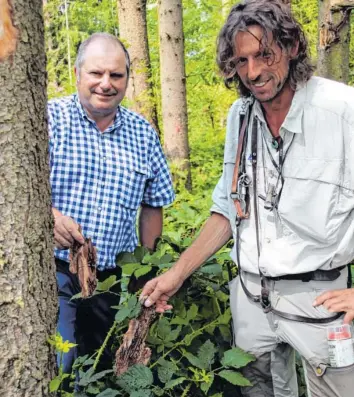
100, 179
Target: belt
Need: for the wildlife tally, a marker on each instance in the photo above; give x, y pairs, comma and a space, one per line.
316, 275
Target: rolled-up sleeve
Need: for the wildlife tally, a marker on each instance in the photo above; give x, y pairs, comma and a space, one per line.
220, 200
159, 189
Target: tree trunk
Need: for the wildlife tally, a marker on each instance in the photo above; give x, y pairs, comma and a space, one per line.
225, 8
28, 302
173, 85
334, 39
133, 32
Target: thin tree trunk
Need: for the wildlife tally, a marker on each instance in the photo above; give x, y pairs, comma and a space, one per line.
334, 39
173, 85
225, 8
133, 32
28, 302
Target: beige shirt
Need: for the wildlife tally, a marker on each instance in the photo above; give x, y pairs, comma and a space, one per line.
313, 226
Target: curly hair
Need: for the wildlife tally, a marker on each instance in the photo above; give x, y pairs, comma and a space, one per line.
272, 16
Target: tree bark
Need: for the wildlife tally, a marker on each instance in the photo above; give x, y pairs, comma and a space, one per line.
173, 85
334, 39
28, 302
133, 32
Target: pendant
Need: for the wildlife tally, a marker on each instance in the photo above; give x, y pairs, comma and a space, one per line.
275, 144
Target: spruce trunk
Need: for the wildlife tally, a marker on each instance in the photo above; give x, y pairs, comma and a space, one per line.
28, 302
133, 32
334, 39
173, 85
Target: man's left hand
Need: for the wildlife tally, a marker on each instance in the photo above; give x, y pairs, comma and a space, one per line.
338, 301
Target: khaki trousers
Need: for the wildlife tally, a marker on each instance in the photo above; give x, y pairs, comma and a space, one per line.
274, 340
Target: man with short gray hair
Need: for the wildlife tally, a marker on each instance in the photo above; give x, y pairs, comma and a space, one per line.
106, 164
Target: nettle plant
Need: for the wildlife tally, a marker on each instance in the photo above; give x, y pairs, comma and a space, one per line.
191, 344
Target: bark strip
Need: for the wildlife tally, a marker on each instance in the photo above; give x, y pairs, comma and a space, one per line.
83, 263
133, 349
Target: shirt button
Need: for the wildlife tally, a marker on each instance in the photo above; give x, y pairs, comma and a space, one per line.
99, 209
104, 158
268, 240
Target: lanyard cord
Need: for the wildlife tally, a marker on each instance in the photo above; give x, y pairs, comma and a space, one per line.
263, 298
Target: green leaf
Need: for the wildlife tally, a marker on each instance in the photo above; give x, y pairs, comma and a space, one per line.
163, 328
193, 360
109, 393
142, 271
206, 354
140, 252
141, 393
136, 311
174, 334
174, 382
137, 377
214, 269
55, 383
166, 259
93, 390
235, 378
90, 376
106, 284
205, 386
132, 301
166, 370
192, 312
122, 314
125, 258
129, 268
158, 391
236, 358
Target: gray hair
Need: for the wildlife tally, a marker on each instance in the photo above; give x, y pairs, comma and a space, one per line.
271, 16
80, 58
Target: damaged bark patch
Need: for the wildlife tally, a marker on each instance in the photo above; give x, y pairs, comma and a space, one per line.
133, 349
8, 32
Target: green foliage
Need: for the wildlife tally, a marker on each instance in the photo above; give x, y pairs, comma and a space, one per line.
190, 345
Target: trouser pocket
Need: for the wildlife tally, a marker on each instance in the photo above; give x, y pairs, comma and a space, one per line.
335, 382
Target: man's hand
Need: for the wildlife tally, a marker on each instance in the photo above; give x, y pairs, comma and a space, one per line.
338, 301
160, 289
66, 231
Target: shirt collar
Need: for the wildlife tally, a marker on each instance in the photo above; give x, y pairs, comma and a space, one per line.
293, 120
118, 120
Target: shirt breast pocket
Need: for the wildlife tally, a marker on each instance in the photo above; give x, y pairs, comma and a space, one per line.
309, 199
130, 186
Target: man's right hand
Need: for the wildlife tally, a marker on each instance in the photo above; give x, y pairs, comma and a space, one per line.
161, 288
66, 231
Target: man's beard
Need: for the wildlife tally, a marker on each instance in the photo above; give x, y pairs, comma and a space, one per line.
278, 90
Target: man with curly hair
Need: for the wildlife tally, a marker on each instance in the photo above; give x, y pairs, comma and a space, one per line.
286, 197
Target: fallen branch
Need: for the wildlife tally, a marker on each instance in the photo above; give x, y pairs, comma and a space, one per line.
133, 349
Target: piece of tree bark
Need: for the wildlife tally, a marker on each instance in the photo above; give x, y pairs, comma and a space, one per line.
133, 32
173, 85
334, 39
133, 349
28, 297
83, 258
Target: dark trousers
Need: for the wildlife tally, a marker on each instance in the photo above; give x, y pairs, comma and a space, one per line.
85, 322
